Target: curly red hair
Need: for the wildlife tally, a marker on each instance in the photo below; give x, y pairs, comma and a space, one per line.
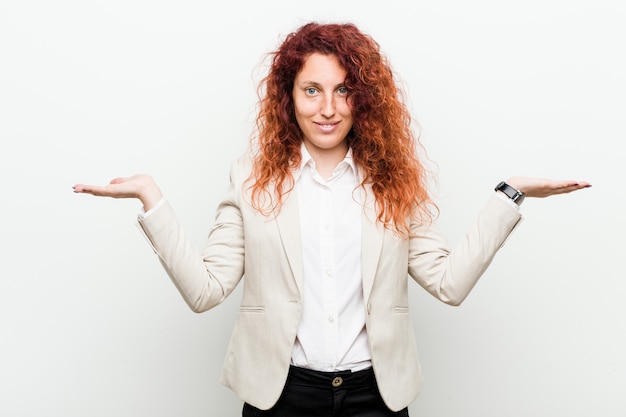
383, 144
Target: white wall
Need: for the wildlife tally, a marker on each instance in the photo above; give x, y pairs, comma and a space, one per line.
90, 324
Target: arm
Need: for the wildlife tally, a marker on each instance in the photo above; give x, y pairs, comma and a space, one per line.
450, 274
203, 279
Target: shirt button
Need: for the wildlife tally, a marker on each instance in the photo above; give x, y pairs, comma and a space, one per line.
331, 319
337, 382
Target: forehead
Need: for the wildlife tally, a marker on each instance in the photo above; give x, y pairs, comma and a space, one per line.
320, 67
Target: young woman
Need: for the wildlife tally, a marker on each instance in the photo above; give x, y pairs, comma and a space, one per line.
327, 217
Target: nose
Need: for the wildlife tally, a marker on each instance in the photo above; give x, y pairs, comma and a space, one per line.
328, 106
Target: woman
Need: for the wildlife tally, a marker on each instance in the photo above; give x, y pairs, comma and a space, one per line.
327, 217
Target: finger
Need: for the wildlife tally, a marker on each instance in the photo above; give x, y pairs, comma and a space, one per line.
88, 189
97, 190
571, 187
577, 184
83, 188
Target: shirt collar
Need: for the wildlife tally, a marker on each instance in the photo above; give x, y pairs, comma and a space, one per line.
307, 159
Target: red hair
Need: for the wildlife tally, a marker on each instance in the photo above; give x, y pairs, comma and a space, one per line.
383, 144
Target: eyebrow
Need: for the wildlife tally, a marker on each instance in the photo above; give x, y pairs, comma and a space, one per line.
316, 84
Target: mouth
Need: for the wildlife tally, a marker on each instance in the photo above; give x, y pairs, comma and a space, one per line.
328, 126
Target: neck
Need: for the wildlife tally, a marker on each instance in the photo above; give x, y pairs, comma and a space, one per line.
326, 160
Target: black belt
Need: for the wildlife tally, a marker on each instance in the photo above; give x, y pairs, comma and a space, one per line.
333, 379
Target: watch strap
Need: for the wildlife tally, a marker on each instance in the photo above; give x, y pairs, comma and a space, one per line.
514, 194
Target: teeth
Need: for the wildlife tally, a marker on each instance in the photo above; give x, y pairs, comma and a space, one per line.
326, 126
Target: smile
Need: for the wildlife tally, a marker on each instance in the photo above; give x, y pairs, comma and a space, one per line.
327, 127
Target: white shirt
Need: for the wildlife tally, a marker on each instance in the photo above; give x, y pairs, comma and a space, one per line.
332, 334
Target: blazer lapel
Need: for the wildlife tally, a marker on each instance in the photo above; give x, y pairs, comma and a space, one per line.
371, 242
288, 221
372, 232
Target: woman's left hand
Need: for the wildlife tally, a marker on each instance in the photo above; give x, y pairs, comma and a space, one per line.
543, 187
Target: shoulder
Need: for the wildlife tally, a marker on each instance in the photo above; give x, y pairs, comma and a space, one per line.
241, 168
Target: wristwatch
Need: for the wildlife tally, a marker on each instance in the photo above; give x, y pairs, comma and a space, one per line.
515, 195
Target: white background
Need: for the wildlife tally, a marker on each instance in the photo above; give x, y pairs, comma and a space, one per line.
90, 325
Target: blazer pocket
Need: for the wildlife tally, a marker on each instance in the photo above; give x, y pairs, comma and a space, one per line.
401, 310
251, 309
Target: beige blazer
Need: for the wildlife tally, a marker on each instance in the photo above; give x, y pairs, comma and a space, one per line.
267, 251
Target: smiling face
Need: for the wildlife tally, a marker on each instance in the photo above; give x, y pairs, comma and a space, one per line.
321, 105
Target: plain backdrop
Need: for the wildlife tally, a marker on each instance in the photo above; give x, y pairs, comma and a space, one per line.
90, 325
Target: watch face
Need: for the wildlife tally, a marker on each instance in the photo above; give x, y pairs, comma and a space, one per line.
510, 192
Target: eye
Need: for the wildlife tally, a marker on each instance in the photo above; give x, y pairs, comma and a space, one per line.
310, 91
342, 90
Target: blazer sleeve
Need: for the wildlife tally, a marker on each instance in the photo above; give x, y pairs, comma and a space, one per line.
450, 274
203, 278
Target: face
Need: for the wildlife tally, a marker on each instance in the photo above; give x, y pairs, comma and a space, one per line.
321, 105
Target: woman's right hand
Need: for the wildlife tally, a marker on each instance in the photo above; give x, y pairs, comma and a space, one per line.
139, 186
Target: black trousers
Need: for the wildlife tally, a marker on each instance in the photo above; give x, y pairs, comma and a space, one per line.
309, 393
